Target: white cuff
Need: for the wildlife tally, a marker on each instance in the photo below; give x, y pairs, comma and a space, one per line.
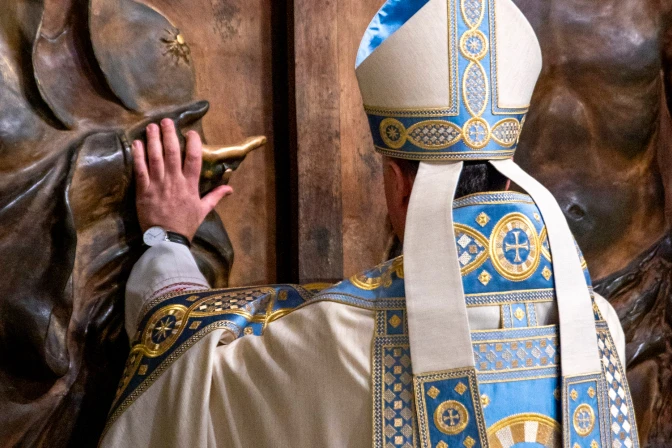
160, 267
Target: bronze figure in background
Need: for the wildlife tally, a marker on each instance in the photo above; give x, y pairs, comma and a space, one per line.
78, 81
598, 135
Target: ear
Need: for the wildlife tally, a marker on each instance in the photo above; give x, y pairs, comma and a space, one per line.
398, 187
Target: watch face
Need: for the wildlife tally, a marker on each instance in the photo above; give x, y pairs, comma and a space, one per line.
154, 235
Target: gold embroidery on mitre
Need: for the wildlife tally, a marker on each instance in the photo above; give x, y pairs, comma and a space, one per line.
506, 132
476, 133
474, 45
434, 134
393, 133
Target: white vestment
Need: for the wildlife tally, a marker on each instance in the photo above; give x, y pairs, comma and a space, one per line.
305, 382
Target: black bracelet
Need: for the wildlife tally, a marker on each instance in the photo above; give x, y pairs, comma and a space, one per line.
177, 238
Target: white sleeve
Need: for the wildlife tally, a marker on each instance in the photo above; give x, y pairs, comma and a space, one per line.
164, 268
614, 324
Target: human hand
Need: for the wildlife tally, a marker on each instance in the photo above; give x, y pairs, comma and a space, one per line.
166, 191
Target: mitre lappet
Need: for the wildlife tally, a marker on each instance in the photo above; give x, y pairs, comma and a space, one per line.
448, 81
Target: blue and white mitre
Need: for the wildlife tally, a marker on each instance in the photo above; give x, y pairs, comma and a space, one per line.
447, 81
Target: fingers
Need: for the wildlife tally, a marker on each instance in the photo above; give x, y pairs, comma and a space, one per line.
140, 166
171, 147
154, 152
194, 158
210, 201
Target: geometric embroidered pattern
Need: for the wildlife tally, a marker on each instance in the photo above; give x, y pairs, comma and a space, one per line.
434, 134
506, 132
392, 381
472, 248
623, 431
233, 301
399, 410
511, 355
533, 352
473, 10
475, 92
449, 410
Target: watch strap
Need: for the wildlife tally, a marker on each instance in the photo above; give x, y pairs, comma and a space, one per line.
178, 238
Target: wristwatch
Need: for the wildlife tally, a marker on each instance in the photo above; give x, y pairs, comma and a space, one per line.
156, 234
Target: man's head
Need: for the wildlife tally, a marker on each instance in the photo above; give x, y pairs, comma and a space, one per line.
399, 175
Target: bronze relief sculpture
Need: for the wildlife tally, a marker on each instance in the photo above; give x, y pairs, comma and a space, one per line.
598, 136
78, 81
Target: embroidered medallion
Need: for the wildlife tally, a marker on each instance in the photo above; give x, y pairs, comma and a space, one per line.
451, 417
583, 419
514, 247
393, 133
525, 428
163, 329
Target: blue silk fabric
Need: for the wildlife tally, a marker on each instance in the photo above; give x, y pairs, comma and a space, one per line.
471, 125
391, 16
516, 386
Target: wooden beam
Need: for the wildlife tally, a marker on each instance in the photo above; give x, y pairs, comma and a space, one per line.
366, 231
320, 216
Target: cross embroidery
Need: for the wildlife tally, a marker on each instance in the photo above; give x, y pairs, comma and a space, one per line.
583, 419
517, 246
452, 417
477, 133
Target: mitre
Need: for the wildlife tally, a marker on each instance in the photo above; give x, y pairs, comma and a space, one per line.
447, 79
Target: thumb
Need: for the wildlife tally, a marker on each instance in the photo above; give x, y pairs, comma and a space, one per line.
210, 200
